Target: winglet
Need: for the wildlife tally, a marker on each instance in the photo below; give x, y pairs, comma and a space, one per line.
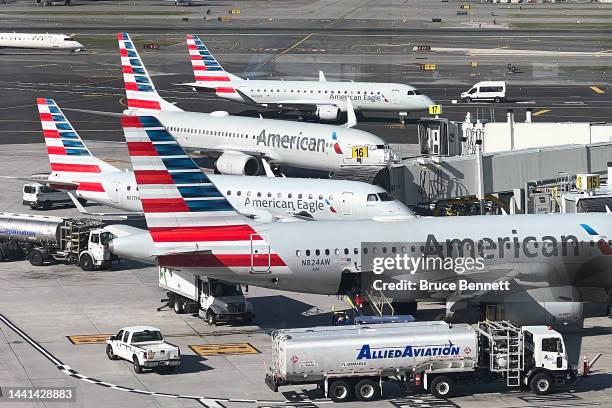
351, 118
322, 77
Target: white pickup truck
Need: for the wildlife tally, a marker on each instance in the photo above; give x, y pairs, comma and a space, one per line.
145, 347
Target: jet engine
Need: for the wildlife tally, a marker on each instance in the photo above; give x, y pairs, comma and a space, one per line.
237, 163
554, 305
326, 112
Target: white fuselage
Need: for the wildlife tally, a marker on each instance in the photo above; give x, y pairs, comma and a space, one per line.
365, 96
311, 257
304, 145
267, 198
39, 41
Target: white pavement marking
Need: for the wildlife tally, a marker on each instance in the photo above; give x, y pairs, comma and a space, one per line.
66, 369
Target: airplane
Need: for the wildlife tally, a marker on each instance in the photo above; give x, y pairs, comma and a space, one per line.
76, 170
242, 145
200, 231
323, 99
40, 41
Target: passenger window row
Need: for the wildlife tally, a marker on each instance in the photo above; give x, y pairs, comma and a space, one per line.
318, 252
318, 91
278, 195
210, 132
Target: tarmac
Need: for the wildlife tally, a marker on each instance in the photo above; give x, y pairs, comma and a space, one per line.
40, 307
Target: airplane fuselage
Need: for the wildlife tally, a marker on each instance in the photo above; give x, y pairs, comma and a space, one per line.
265, 198
304, 145
311, 257
366, 96
38, 41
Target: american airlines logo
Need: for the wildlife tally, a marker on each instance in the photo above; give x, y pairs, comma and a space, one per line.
292, 142
365, 98
299, 205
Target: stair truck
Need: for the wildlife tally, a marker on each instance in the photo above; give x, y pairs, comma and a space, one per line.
347, 361
44, 239
213, 300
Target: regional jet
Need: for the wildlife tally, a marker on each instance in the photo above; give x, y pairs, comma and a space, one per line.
324, 99
239, 144
39, 41
76, 170
192, 226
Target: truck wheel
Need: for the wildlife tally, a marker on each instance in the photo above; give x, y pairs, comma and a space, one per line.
541, 384
248, 320
109, 352
367, 390
179, 305
36, 257
86, 262
137, 366
211, 318
442, 386
497, 100
340, 391
468, 99
46, 205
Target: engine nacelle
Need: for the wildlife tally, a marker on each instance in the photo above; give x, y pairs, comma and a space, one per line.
555, 305
238, 164
326, 112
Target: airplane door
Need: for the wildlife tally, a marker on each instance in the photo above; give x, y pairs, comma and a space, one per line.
114, 192
395, 96
260, 253
347, 203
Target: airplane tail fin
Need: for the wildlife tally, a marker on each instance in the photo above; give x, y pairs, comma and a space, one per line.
139, 89
205, 65
182, 206
206, 68
69, 158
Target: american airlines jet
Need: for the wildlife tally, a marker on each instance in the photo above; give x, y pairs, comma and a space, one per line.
239, 144
193, 227
75, 169
323, 99
39, 41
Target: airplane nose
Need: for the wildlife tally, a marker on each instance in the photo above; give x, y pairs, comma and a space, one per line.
427, 102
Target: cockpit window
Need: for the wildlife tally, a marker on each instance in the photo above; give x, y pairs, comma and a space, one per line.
385, 196
410, 92
372, 197
417, 92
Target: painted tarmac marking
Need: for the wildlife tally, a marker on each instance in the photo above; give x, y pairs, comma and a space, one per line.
223, 349
598, 90
541, 112
80, 339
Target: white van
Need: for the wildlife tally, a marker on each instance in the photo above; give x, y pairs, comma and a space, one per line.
36, 195
486, 91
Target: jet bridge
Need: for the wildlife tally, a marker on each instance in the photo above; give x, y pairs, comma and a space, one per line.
428, 179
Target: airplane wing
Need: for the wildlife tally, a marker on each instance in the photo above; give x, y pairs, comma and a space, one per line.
116, 215
42, 179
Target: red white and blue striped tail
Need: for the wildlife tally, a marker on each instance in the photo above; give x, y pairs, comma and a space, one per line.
180, 203
69, 158
206, 68
139, 88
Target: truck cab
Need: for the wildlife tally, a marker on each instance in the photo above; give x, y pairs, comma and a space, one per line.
544, 349
36, 195
97, 253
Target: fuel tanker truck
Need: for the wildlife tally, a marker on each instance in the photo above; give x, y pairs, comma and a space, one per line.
43, 240
355, 361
